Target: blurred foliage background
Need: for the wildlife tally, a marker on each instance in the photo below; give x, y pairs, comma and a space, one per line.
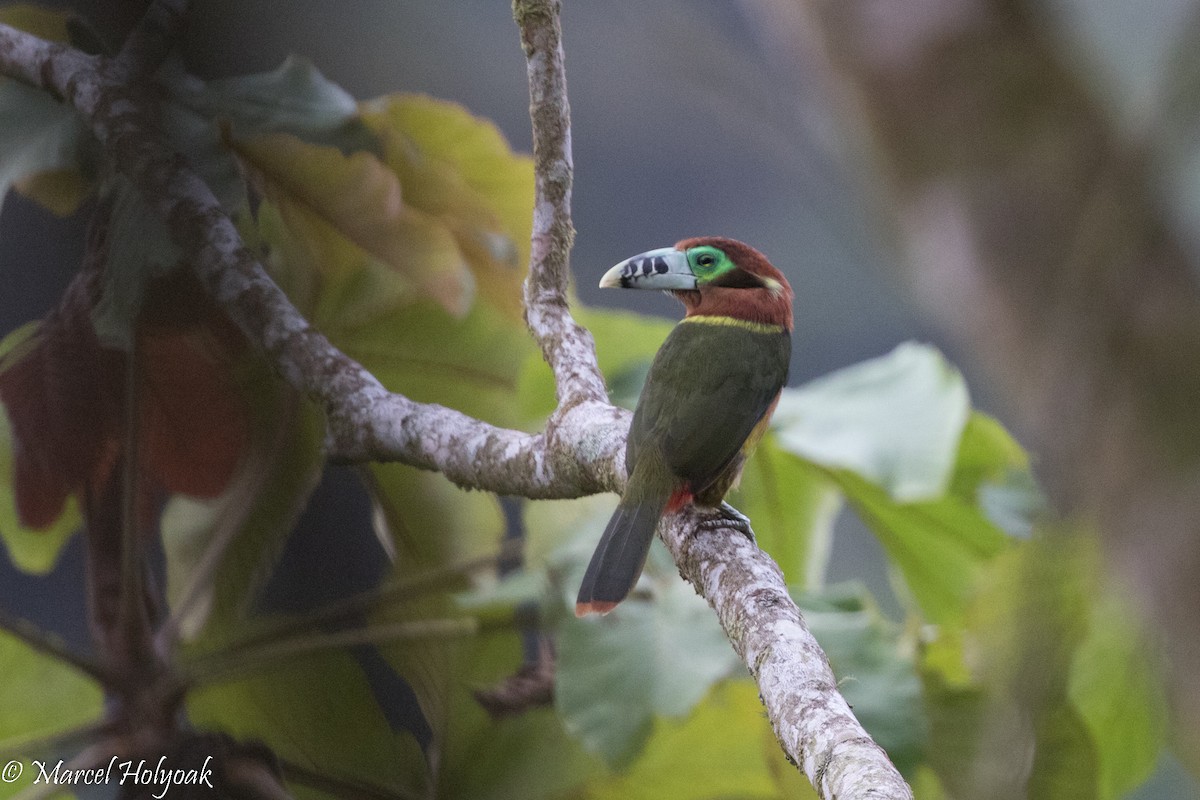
978, 634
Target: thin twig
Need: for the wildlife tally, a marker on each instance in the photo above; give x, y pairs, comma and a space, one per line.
60, 740
355, 606
52, 646
567, 347
223, 666
132, 614
247, 485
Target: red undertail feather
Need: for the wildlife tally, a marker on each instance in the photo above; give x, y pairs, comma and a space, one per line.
678, 499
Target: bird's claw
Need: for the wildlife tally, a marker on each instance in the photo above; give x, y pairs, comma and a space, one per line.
729, 517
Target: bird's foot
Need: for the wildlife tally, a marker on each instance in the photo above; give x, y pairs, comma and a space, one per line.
729, 517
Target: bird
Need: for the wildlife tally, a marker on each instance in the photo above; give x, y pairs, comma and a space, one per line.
706, 402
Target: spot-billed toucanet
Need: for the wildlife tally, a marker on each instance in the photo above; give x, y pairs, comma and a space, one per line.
707, 399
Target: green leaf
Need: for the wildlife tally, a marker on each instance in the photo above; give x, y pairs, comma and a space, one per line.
37, 133
373, 302
563, 533
528, 756
926, 785
1052, 663
993, 470
616, 674
560, 536
41, 696
470, 363
895, 420
876, 673
437, 218
792, 507
466, 177
318, 711
446, 208
723, 748
329, 200
1065, 761
957, 714
428, 523
927, 475
940, 547
1117, 689
294, 97
440, 138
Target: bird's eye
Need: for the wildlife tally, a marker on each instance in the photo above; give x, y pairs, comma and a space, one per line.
706, 260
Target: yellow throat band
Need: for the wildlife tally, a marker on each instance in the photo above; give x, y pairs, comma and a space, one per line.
733, 322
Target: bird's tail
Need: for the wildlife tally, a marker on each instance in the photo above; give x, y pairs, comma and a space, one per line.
620, 556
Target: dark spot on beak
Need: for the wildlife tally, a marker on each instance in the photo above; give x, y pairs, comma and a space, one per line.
660, 265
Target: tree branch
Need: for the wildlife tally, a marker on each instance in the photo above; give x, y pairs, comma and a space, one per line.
365, 421
567, 347
812, 721
582, 450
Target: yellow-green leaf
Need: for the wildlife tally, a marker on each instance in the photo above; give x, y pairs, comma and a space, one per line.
474, 148
361, 200
467, 177
41, 696
724, 748
792, 507
59, 190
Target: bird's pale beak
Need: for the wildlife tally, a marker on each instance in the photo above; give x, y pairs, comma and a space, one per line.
667, 268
